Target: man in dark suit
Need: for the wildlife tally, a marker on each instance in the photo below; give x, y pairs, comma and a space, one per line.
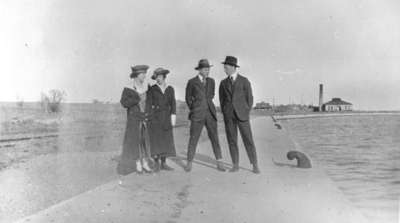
236, 98
200, 92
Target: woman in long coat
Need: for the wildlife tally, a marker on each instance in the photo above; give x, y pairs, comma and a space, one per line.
163, 108
135, 149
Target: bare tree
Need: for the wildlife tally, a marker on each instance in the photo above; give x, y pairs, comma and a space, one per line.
51, 102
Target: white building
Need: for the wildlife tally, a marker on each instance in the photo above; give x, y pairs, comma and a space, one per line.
336, 104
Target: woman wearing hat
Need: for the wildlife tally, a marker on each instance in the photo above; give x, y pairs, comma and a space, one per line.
135, 98
164, 117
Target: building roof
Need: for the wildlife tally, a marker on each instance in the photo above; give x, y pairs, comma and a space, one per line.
337, 101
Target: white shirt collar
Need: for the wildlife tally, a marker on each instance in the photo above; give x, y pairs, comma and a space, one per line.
200, 77
234, 75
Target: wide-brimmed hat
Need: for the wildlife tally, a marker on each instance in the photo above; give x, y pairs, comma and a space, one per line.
202, 64
159, 71
136, 70
230, 60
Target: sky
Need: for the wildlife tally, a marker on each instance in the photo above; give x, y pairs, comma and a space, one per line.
286, 48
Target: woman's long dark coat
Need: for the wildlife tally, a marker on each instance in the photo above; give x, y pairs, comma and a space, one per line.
135, 118
163, 105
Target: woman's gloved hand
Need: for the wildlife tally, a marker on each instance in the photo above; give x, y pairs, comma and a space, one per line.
173, 119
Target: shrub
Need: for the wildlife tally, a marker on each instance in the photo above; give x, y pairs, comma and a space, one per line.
51, 102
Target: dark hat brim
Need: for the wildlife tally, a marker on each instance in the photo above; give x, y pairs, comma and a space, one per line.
135, 74
163, 72
200, 67
232, 64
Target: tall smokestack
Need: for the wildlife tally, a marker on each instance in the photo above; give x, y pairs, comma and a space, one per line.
321, 96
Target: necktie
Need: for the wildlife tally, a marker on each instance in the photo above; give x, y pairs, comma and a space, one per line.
230, 83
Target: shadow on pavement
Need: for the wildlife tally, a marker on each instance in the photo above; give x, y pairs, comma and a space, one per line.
200, 159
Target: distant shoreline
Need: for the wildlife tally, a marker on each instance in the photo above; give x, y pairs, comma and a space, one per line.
332, 114
296, 114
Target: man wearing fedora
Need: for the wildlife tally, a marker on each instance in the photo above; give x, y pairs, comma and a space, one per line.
236, 99
200, 91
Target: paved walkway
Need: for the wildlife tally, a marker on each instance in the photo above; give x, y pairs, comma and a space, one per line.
281, 193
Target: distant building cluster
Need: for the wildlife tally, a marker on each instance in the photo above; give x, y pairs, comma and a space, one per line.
334, 105
264, 106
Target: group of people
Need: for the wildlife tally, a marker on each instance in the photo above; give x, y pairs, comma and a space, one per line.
151, 115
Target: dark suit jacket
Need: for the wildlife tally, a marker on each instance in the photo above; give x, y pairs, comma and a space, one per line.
238, 100
199, 98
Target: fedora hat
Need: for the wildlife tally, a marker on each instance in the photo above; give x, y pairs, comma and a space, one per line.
230, 60
159, 71
202, 64
136, 70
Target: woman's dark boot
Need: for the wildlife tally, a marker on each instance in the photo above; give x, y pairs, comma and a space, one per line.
157, 165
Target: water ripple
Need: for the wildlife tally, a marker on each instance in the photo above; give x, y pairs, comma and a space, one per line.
361, 154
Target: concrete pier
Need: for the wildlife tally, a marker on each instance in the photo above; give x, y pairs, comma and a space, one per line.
281, 193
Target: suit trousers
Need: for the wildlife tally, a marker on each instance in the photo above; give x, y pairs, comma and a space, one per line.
232, 123
195, 131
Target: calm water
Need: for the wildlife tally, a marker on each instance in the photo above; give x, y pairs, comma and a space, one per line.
362, 156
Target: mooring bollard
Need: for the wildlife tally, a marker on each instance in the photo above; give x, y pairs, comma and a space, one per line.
302, 160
